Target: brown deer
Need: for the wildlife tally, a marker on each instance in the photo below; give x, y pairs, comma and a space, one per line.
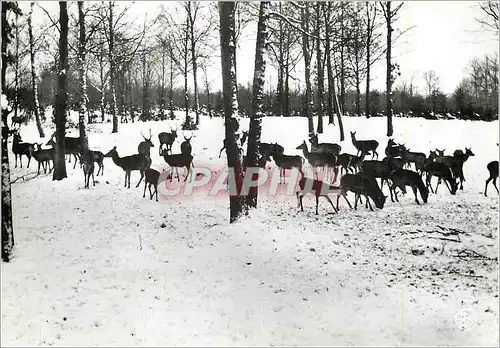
178, 161
285, 162
167, 139
151, 179
402, 178
458, 165
43, 157
71, 147
331, 148
365, 146
19, 148
441, 171
145, 146
88, 168
316, 187
186, 148
364, 185
138, 162
493, 169
319, 160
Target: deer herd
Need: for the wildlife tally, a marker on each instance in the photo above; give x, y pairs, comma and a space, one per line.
358, 174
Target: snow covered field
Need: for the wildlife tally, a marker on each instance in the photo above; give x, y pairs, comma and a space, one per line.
106, 267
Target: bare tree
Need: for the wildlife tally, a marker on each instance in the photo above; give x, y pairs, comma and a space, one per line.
306, 52
82, 109
36, 102
319, 66
490, 14
7, 59
228, 57
62, 96
390, 17
432, 85
255, 128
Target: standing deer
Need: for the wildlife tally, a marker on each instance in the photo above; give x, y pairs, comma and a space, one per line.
43, 157
285, 162
167, 139
317, 188
19, 148
441, 171
145, 146
493, 169
364, 145
458, 167
71, 147
331, 148
319, 160
88, 168
186, 145
178, 161
151, 179
138, 162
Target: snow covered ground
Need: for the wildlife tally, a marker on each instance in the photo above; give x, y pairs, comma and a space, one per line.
106, 267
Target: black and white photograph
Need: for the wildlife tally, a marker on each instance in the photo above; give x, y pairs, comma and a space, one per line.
250, 173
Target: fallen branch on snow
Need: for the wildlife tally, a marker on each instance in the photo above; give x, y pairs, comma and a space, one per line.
471, 254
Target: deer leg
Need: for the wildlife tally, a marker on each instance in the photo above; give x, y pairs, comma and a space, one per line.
150, 192
29, 160
300, 201
144, 193
329, 200
93, 181
317, 203
356, 197
187, 174
391, 188
375, 153
156, 191
415, 193
220, 152
369, 203
486, 187
142, 176
495, 184
448, 186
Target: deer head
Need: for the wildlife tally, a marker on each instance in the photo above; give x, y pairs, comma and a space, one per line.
111, 152
468, 151
148, 140
187, 139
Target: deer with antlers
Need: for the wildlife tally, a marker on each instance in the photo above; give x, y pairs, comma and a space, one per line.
145, 146
167, 139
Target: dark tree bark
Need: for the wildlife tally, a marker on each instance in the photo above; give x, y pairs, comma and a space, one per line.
207, 92
230, 104
330, 106
388, 108
7, 226
62, 96
307, 71
103, 82
342, 56
82, 110
145, 89
16, 70
255, 128
36, 102
162, 84
186, 96
320, 76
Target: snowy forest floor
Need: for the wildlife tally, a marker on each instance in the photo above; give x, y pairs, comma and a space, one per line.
104, 266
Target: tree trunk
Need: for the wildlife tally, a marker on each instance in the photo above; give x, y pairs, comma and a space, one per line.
331, 88
62, 96
145, 89
358, 83
195, 65
162, 92
16, 71
112, 69
36, 103
171, 101
388, 83
307, 70
103, 83
369, 33
7, 227
82, 110
130, 100
342, 60
255, 128
230, 105
320, 79
188, 121
207, 91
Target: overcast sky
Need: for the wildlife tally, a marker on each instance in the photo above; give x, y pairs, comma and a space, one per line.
445, 38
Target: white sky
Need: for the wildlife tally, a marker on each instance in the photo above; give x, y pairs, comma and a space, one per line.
445, 38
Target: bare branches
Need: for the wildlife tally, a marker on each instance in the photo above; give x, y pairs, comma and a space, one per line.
491, 11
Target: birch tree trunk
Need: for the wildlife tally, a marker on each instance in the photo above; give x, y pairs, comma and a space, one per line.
36, 102
230, 105
195, 65
319, 90
62, 96
307, 70
16, 70
255, 128
112, 69
82, 110
7, 227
